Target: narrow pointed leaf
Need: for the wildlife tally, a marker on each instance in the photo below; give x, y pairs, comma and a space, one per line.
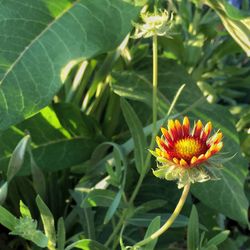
48, 221
113, 207
153, 227
7, 219
193, 230
17, 158
136, 130
61, 234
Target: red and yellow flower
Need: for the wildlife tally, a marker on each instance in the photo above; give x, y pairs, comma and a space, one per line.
182, 153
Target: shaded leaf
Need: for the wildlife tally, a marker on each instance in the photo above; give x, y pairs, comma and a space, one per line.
193, 230
17, 158
144, 219
219, 238
153, 227
100, 198
61, 234
138, 136
113, 207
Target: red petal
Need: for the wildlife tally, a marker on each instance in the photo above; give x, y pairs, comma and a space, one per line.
172, 129
178, 128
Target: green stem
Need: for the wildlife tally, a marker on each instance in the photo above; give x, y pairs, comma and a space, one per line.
155, 82
116, 230
138, 184
154, 104
169, 222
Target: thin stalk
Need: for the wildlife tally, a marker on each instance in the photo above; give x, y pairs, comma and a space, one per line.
155, 81
154, 104
116, 230
169, 222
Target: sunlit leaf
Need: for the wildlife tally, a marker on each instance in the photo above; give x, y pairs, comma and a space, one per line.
43, 39
86, 245
48, 221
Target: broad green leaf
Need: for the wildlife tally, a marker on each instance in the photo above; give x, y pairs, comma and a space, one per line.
153, 227
17, 158
61, 234
87, 245
193, 230
48, 221
230, 199
7, 219
75, 121
138, 136
49, 138
219, 238
43, 39
113, 207
71, 152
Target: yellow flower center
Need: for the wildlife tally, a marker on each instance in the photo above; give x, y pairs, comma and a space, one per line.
188, 147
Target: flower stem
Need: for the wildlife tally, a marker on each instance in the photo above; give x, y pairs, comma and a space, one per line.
169, 222
142, 175
154, 104
155, 82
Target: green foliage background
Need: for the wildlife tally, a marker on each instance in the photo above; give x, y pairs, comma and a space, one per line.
72, 80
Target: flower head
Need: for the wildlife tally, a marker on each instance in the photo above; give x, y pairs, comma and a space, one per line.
183, 154
157, 23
